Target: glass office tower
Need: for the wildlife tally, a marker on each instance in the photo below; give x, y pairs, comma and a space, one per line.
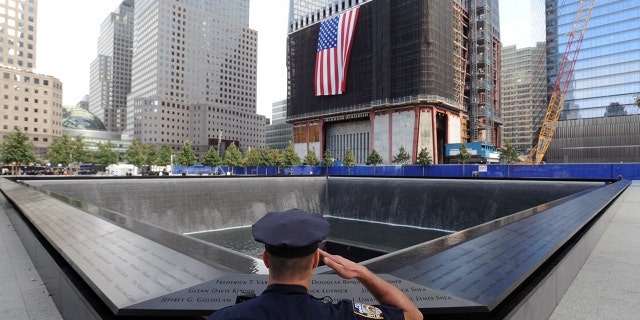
607, 72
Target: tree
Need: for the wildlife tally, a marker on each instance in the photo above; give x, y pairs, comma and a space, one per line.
60, 151
424, 158
509, 153
291, 158
135, 156
66, 150
252, 158
212, 158
266, 157
151, 154
186, 157
164, 155
311, 158
463, 156
233, 156
17, 148
105, 154
327, 159
402, 157
349, 159
374, 158
278, 158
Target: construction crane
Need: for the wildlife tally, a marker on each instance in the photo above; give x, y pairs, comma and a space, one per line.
565, 72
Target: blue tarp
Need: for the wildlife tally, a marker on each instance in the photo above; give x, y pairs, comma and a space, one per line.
629, 171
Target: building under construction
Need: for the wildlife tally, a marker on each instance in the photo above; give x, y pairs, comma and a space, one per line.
420, 74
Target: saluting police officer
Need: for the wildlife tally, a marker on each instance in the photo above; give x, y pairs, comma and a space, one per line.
291, 253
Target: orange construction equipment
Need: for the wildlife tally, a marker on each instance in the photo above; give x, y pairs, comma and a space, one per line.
563, 79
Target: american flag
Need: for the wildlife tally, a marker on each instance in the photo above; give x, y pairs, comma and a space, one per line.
334, 45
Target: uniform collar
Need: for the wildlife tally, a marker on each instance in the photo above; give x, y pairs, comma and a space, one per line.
285, 288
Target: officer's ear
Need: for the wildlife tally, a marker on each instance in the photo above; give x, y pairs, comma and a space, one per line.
316, 259
265, 258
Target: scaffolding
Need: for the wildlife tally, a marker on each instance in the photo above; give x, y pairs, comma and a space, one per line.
460, 53
484, 49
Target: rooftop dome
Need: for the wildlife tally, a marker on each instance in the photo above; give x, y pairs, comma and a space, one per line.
80, 119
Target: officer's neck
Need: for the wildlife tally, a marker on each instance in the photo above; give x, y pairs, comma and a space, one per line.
304, 282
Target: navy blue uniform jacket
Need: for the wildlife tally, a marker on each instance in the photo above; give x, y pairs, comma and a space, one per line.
290, 302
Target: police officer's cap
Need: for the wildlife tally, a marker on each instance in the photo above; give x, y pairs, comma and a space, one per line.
291, 234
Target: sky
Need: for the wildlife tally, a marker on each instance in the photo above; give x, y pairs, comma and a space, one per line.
68, 35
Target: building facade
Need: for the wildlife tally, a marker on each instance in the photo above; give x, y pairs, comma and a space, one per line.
607, 70
110, 74
523, 94
78, 121
484, 70
278, 133
612, 139
410, 80
604, 84
194, 75
30, 102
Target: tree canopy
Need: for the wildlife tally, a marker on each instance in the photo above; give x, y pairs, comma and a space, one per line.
164, 155
212, 158
290, 156
374, 158
66, 150
349, 160
252, 158
424, 158
327, 159
105, 154
186, 157
509, 153
403, 157
233, 156
17, 148
134, 155
311, 158
464, 156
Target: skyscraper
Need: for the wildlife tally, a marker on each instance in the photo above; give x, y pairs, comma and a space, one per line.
194, 74
607, 71
30, 102
599, 121
484, 69
111, 70
420, 74
278, 133
523, 94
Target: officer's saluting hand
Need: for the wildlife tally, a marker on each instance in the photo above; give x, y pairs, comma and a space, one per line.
291, 253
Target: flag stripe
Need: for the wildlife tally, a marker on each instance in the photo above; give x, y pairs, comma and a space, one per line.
334, 46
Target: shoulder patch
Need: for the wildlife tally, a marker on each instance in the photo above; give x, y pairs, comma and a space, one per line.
367, 311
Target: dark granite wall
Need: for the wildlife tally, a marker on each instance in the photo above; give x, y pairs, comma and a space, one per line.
441, 204
189, 205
